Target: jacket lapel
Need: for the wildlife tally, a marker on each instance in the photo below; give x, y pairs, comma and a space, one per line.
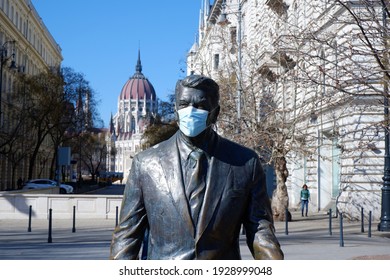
171, 166
216, 182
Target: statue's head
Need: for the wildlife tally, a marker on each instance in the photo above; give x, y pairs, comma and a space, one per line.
197, 104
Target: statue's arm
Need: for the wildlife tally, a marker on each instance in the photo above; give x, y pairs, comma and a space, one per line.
260, 231
128, 235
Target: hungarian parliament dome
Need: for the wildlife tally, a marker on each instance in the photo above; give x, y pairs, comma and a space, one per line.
137, 104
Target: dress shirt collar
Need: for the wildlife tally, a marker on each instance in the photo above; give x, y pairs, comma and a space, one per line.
186, 148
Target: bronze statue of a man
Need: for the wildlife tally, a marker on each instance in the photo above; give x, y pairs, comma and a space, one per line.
194, 191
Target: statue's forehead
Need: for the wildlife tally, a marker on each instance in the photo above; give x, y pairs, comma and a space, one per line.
188, 93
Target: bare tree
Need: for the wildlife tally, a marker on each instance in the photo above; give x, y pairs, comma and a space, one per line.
50, 105
261, 122
93, 151
163, 125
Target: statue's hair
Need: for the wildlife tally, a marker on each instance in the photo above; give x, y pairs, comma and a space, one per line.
199, 82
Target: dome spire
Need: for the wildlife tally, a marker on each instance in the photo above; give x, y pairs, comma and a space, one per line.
112, 127
138, 67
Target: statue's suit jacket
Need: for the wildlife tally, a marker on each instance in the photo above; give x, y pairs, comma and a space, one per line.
154, 198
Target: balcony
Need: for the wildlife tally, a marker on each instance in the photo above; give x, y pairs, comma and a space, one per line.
280, 7
286, 43
267, 66
283, 59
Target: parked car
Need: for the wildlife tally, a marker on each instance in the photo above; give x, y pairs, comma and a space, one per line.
46, 183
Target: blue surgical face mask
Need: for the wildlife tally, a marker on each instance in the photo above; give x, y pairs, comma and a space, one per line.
192, 121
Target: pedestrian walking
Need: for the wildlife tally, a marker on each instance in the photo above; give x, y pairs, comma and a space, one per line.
305, 195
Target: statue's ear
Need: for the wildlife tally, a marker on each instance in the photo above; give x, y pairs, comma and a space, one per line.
214, 114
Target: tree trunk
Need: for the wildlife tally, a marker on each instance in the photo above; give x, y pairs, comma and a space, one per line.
53, 164
32, 163
280, 195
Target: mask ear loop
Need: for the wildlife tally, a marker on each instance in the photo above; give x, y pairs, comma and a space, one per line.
213, 124
214, 127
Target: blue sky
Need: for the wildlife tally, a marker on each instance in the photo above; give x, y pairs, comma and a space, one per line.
101, 39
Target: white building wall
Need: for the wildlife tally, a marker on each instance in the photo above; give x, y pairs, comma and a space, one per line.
341, 158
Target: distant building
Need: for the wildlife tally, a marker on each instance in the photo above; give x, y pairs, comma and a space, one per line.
137, 104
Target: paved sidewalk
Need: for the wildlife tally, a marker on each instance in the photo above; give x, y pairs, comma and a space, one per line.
308, 238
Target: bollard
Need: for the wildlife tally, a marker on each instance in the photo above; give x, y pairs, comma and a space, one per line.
341, 231
49, 239
362, 219
116, 217
330, 221
74, 219
29, 219
369, 223
286, 218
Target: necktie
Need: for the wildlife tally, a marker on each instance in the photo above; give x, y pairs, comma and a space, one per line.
196, 184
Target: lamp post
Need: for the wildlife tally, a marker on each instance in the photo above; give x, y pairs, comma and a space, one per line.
222, 21
384, 224
3, 60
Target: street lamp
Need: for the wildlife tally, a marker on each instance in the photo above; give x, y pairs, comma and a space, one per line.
384, 224
223, 21
3, 60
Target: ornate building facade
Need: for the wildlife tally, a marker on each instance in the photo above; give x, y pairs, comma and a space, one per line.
314, 74
137, 104
27, 46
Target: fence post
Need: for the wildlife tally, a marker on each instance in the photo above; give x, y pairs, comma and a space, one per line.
286, 218
74, 219
116, 216
341, 231
330, 221
369, 223
49, 239
29, 218
362, 219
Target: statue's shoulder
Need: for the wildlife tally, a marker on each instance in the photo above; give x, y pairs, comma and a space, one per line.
234, 150
156, 150
234, 146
